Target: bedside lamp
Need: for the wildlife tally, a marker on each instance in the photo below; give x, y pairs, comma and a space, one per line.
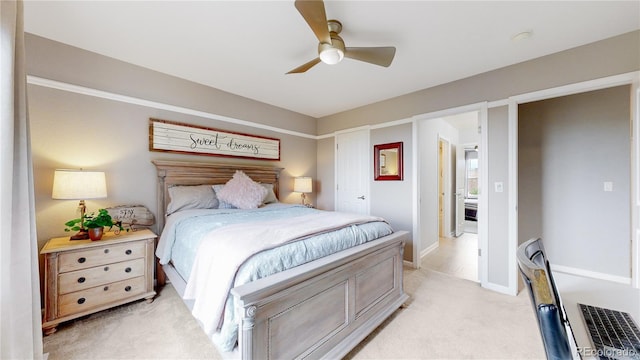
79, 185
302, 185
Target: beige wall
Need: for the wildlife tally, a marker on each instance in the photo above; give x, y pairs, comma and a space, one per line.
71, 130
325, 188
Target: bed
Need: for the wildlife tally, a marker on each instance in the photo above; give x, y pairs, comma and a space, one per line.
321, 306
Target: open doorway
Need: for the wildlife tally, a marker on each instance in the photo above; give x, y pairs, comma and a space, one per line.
457, 167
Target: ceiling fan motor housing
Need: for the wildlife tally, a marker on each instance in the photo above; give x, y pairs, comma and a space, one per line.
331, 49
332, 53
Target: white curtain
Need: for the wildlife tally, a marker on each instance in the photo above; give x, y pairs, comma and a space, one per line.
20, 320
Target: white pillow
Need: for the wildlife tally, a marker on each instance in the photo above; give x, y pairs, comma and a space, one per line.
242, 192
271, 195
191, 197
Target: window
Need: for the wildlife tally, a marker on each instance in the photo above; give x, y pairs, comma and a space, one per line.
471, 172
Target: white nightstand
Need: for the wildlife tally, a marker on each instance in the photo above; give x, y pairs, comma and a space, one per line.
84, 276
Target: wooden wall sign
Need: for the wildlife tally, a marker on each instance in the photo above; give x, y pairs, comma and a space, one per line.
175, 137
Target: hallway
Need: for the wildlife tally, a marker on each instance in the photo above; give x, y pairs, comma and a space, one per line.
455, 256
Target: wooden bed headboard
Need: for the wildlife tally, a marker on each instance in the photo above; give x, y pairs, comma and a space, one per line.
171, 173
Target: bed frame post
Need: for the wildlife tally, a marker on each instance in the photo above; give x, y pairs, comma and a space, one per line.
161, 200
161, 278
245, 334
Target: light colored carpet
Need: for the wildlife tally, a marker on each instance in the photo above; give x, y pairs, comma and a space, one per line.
446, 318
163, 329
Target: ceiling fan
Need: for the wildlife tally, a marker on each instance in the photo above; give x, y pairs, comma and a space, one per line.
331, 49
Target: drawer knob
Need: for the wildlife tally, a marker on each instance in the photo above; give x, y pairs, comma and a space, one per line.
127, 270
128, 252
106, 251
81, 301
106, 268
81, 279
128, 288
106, 288
81, 260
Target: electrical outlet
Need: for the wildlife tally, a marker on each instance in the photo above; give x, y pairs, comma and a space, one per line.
608, 186
499, 187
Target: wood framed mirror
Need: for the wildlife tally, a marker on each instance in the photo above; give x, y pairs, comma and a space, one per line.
388, 161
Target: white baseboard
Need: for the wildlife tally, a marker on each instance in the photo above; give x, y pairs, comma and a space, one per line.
500, 288
591, 274
409, 264
431, 248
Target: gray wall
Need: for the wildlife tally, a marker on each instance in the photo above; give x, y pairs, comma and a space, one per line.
392, 199
568, 148
497, 151
617, 55
429, 132
70, 130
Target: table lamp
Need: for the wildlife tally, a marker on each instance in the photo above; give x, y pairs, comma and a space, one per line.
79, 185
302, 185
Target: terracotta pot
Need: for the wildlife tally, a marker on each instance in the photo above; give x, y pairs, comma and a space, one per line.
95, 233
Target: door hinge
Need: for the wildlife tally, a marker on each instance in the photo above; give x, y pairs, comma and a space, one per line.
479, 252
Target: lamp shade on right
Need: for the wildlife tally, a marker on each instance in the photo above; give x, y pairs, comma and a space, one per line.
302, 184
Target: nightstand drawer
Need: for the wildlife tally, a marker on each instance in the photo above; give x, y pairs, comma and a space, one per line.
99, 275
104, 255
83, 276
91, 298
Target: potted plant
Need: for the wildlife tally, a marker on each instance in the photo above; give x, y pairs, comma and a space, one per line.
95, 224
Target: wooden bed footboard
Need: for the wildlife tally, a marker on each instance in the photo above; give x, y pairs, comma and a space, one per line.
322, 309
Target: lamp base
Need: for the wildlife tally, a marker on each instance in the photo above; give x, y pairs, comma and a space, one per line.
81, 235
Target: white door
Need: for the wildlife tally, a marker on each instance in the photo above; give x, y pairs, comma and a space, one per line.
353, 165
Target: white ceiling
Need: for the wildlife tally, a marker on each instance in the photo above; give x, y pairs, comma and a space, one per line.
246, 47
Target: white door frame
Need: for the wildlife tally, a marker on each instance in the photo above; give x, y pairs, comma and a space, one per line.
481, 108
633, 79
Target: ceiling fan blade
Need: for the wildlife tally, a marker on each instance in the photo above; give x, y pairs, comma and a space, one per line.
305, 67
382, 56
313, 13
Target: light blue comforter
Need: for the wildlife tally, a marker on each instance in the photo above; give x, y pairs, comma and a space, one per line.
184, 230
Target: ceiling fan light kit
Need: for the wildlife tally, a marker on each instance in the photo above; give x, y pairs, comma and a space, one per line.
331, 49
330, 55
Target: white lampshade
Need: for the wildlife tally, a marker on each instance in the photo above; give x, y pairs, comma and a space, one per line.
79, 185
302, 184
